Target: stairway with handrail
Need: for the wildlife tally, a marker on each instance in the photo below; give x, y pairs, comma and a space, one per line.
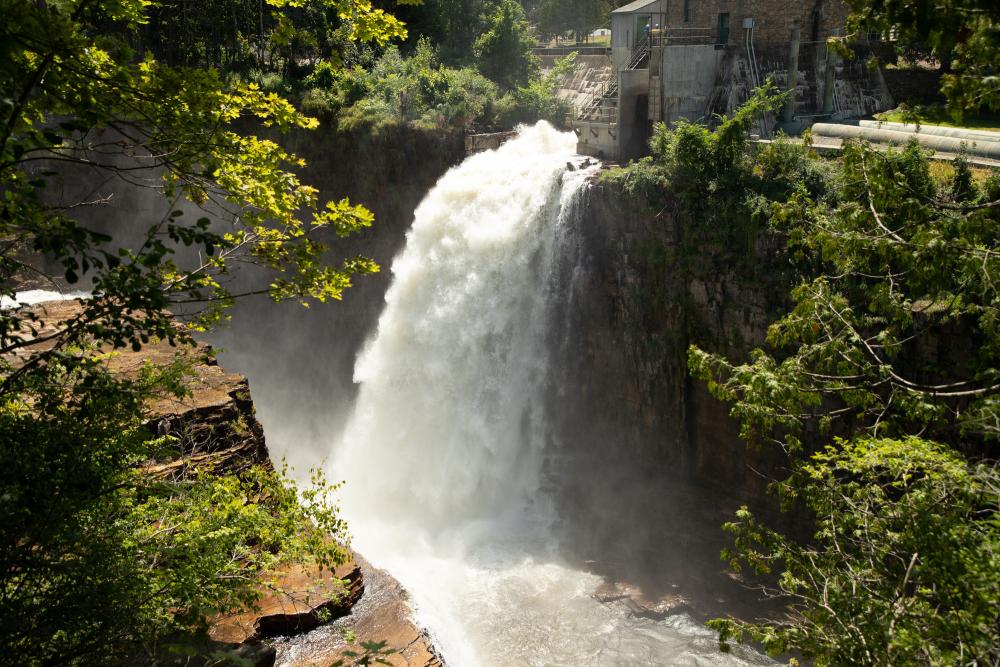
603, 105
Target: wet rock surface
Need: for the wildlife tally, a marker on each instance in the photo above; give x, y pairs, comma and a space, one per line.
637, 602
296, 599
650, 465
382, 614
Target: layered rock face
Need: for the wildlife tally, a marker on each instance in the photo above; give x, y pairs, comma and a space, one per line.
649, 464
655, 302
381, 614
638, 304
308, 616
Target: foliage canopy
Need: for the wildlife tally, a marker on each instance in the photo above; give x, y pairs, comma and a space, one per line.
503, 50
103, 561
964, 35
880, 383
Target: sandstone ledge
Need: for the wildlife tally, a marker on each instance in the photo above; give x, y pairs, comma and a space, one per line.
382, 614
304, 617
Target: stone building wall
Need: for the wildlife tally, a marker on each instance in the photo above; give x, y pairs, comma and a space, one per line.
773, 19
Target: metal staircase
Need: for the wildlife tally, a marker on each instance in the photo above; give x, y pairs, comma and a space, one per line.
602, 107
640, 54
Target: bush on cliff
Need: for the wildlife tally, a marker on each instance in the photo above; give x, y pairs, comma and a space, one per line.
893, 334
881, 384
503, 50
903, 565
107, 556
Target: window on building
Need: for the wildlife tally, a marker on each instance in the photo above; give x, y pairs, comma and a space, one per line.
687, 10
723, 28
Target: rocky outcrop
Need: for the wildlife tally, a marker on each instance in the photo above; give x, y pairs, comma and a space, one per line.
214, 422
301, 605
382, 614
296, 599
308, 618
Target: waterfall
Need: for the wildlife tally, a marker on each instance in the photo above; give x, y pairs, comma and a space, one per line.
444, 453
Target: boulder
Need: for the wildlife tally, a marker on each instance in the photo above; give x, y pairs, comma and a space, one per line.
296, 599
382, 614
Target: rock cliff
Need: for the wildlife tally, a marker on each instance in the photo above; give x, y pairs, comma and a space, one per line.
216, 428
648, 464
648, 289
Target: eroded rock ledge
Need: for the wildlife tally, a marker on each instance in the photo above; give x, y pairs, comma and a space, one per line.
309, 616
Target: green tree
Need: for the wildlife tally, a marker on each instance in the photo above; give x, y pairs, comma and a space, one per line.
417, 90
882, 386
892, 264
503, 51
451, 25
903, 566
556, 17
538, 100
101, 561
963, 34
893, 334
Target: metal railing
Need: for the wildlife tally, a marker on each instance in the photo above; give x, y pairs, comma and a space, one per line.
670, 36
640, 52
594, 109
607, 115
602, 105
582, 50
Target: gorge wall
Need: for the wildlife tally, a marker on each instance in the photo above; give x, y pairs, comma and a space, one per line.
649, 464
653, 289
300, 360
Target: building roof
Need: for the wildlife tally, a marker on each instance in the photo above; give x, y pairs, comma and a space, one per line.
635, 6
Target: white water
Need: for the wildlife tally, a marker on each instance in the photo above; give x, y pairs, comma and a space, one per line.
34, 296
443, 454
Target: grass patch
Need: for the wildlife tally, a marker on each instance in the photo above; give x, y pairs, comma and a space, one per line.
936, 115
944, 172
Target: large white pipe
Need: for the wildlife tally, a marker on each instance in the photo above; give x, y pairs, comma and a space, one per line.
937, 130
978, 148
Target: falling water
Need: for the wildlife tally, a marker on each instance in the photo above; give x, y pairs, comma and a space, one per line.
444, 451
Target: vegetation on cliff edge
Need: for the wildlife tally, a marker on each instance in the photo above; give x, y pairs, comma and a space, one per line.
100, 560
881, 384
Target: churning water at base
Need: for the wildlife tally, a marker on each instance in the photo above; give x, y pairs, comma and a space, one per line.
444, 452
